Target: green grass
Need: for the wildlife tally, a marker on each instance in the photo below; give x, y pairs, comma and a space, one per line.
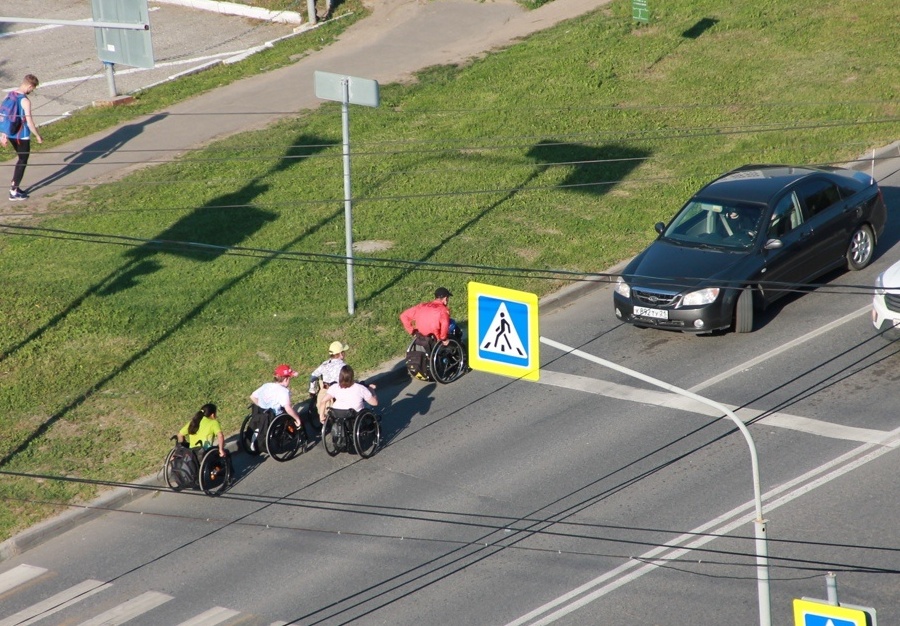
558, 153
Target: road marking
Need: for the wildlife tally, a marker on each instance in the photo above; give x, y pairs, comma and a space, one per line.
783, 348
129, 610
60, 601
650, 560
215, 615
681, 403
18, 575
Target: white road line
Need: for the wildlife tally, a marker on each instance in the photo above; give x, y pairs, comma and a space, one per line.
615, 578
783, 348
215, 615
681, 403
129, 610
19, 575
53, 604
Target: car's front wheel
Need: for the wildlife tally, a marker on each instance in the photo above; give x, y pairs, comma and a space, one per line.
861, 248
743, 312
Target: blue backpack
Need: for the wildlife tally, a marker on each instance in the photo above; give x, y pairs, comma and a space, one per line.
10, 115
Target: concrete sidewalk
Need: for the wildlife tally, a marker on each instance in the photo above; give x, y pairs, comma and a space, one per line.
400, 38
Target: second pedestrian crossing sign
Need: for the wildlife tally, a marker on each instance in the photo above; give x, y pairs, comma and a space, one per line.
505, 325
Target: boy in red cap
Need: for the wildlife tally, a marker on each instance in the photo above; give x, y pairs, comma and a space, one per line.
276, 396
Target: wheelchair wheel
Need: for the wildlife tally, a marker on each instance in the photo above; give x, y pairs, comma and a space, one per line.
284, 439
366, 433
447, 363
215, 473
167, 470
246, 437
328, 441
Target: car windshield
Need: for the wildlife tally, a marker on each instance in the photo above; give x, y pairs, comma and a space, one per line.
705, 223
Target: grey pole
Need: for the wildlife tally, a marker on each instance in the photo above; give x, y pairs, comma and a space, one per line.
111, 78
762, 552
311, 9
831, 588
348, 204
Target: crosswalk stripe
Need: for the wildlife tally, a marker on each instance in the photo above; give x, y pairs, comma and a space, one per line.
18, 575
215, 615
56, 603
674, 401
129, 610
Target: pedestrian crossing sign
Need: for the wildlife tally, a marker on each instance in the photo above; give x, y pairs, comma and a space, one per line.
506, 331
817, 613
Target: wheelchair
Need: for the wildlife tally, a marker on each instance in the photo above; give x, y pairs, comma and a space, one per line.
207, 469
429, 359
278, 436
344, 430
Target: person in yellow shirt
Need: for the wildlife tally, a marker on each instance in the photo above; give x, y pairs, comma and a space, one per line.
203, 430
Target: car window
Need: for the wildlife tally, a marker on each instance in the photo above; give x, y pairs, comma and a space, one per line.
817, 196
711, 224
786, 216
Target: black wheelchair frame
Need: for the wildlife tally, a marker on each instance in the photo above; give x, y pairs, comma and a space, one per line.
278, 435
362, 429
214, 470
443, 363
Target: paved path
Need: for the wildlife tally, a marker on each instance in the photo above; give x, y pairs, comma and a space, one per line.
398, 39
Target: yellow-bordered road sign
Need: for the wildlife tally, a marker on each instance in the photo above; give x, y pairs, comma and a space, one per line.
505, 325
812, 613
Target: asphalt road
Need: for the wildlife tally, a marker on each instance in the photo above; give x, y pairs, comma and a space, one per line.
586, 498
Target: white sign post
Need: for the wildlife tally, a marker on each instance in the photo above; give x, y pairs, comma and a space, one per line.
347, 90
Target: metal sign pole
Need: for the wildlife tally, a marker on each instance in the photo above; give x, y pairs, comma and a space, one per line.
348, 203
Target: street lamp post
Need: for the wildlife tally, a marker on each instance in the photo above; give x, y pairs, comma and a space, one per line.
762, 551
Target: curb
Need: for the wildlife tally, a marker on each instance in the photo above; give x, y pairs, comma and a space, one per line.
230, 8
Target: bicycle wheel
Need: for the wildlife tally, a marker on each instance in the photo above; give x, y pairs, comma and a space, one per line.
328, 441
246, 438
284, 439
447, 363
366, 433
215, 473
167, 470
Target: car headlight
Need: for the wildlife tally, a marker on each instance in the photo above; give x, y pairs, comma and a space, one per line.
879, 285
622, 288
698, 298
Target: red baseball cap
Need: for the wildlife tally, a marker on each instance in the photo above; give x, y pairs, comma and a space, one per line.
284, 370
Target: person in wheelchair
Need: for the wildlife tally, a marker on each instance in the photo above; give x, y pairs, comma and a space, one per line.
275, 396
350, 397
203, 430
326, 375
432, 319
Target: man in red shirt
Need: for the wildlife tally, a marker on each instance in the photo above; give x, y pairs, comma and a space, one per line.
430, 318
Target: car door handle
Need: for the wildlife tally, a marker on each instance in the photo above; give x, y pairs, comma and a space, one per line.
806, 234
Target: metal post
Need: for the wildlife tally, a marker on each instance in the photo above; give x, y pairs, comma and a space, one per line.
111, 78
762, 552
348, 212
831, 588
311, 9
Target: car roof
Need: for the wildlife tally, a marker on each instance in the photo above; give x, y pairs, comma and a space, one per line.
759, 183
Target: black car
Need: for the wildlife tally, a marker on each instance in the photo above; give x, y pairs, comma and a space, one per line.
747, 238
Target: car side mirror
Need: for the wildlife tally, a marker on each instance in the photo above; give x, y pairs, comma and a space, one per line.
659, 227
773, 244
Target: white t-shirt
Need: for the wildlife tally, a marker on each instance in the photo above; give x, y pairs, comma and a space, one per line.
353, 397
273, 396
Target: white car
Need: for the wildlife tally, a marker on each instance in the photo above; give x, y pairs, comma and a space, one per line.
886, 304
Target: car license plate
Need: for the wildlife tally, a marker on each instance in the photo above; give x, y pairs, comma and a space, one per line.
659, 314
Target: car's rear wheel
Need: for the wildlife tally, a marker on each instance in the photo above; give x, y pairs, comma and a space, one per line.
743, 312
861, 248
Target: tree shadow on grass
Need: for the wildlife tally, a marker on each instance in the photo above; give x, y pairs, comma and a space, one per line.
596, 170
139, 262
